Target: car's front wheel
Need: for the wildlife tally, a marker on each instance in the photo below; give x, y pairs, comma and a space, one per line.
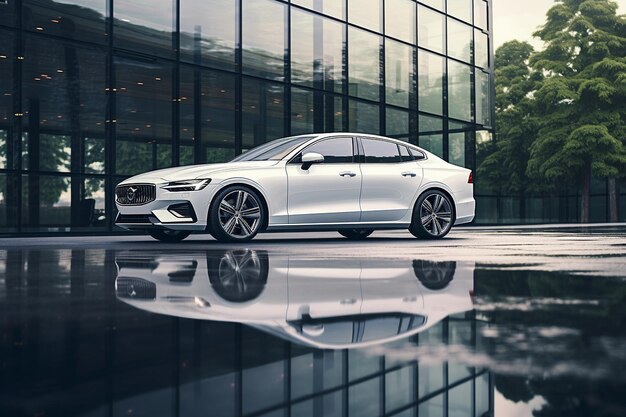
433, 215
169, 236
237, 214
356, 234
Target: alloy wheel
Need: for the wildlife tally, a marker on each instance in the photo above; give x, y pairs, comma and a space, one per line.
436, 214
239, 214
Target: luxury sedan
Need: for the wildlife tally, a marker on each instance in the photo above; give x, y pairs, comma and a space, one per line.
350, 183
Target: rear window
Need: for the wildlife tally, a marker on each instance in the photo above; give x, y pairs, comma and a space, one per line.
380, 151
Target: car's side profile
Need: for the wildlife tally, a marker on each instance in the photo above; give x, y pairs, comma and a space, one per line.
351, 183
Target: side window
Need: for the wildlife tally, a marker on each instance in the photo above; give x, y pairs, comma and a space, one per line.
335, 150
405, 154
380, 151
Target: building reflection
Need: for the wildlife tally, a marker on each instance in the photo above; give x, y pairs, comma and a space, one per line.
70, 347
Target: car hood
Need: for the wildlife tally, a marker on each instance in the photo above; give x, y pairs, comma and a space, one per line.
197, 171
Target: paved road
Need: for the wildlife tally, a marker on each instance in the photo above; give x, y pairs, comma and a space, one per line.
595, 250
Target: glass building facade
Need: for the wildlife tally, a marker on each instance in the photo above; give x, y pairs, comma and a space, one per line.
93, 91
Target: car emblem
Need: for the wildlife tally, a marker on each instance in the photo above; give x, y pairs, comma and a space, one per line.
131, 291
130, 193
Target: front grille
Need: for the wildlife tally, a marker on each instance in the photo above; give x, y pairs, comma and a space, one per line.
135, 288
135, 194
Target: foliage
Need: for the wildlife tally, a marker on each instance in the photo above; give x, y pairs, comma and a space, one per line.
561, 111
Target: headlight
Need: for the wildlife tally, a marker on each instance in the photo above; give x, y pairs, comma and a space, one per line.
187, 185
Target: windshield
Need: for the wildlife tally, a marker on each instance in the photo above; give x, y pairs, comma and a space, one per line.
274, 150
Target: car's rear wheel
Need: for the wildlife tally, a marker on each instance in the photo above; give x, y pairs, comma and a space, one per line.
356, 234
237, 214
433, 215
169, 236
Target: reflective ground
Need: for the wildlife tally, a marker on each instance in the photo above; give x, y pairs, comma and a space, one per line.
507, 323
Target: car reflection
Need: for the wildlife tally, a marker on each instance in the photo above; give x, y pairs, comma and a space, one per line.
329, 303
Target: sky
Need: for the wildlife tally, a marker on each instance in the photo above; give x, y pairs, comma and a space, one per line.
519, 19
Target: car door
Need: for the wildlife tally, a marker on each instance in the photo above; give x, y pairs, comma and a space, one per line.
326, 192
391, 178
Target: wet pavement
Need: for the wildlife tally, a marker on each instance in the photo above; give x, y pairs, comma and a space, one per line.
507, 322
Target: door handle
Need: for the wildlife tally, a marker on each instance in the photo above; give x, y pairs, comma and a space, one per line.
408, 174
347, 174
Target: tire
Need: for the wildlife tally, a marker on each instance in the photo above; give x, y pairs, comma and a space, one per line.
238, 275
236, 215
434, 275
356, 234
433, 215
170, 236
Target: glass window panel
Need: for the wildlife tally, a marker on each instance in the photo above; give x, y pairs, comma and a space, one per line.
482, 394
430, 82
437, 4
75, 19
365, 13
363, 64
208, 32
94, 155
363, 117
207, 116
432, 407
335, 151
431, 33
480, 14
64, 101
400, 19
317, 49
144, 113
483, 98
397, 123
8, 12
46, 202
186, 155
456, 149
380, 152
459, 91
364, 398
459, 40
264, 38
92, 205
8, 202
145, 26
333, 8
163, 155
430, 124
333, 374
399, 73
301, 374
460, 400
432, 143
461, 9
302, 111
399, 388
262, 112
481, 49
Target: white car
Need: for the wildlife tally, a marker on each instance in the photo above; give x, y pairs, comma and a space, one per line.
351, 183
330, 303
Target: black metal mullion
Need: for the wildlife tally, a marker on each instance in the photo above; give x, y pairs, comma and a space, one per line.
175, 160
239, 81
14, 141
287, 73
110, 118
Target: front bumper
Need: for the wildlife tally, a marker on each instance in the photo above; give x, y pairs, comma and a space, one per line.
169, 210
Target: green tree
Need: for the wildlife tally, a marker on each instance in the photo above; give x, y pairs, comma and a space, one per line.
582, 100
504, 161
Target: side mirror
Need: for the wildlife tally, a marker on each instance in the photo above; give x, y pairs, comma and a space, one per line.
311, 158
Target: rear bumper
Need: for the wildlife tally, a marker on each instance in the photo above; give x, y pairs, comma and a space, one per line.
465, 211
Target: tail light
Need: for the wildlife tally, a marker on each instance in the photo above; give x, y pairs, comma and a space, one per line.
470, 180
